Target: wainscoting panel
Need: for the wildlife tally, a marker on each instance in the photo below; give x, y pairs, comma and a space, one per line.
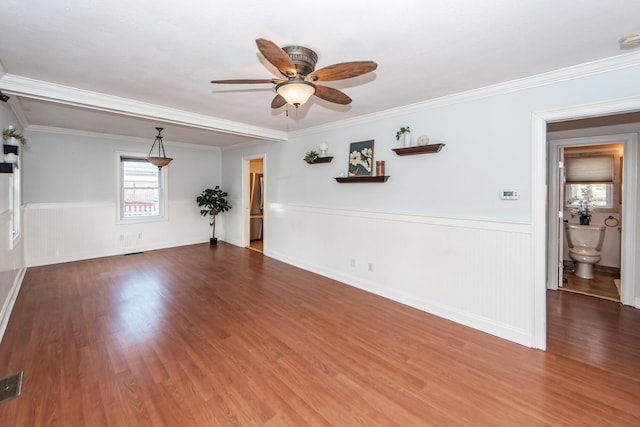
11, 270
62, 232
472, 271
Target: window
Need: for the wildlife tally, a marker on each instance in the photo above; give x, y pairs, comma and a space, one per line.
142, 192
589, 180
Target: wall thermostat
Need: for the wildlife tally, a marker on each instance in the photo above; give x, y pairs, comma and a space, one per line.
509, 195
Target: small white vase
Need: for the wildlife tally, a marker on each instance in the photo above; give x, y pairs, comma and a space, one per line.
11, 141
407, 139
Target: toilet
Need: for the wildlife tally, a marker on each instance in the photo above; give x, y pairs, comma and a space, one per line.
585, 242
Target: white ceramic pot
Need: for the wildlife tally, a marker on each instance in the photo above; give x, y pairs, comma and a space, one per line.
407, 139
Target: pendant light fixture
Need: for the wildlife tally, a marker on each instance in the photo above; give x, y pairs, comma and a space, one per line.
161, 159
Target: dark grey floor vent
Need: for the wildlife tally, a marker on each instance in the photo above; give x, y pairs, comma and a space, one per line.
10, 386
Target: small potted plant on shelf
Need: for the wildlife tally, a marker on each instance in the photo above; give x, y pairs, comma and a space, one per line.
11, 136
213, 201
311, 156
404, 132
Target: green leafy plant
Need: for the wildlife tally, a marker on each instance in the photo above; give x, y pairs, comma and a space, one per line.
213, 201
11, 132
311, 156
402, 131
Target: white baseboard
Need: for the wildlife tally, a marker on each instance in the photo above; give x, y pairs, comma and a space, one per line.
5, 313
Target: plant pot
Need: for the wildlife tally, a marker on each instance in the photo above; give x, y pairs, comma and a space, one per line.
213, 241
407, 139
12, 141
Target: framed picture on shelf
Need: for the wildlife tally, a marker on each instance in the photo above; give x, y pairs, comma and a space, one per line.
361, 158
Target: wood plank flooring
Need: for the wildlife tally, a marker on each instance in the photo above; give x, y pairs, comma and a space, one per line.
217, 336
601, 286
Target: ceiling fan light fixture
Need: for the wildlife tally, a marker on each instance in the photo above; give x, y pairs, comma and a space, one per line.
296, 92
161, 159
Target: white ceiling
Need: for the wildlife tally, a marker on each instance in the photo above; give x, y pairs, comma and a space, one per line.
125, 67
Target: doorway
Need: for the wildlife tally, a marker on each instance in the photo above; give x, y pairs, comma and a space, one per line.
254, 191
545, 227
586, 176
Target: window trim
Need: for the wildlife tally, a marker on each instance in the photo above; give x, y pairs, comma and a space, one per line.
163, 193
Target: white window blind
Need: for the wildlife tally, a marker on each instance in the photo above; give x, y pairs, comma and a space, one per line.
591, 169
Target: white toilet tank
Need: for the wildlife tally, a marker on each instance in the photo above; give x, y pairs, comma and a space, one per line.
585, 236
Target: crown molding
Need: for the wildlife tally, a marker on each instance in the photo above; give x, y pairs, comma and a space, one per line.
551, 77
90, 134
45, 91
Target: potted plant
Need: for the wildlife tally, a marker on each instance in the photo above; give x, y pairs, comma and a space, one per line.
404, 132
213, 201
10, 135
311, 156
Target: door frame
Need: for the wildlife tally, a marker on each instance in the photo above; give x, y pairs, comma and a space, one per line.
539, 209
629, 189
246, 198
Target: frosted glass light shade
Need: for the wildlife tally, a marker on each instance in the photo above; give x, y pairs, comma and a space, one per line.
297, 92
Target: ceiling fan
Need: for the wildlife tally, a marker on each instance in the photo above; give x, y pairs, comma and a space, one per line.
297, 65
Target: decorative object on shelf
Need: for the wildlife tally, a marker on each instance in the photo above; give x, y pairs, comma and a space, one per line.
380, 168
161, 159
361, 158
12, 136
323, 149
310, 156
423, 149
10, 158
214, 201
423, 140
405, 133
364, 178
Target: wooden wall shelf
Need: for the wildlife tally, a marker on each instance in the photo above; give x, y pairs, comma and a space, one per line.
420, 149
7, 149
353, 179
6, 167
321, 160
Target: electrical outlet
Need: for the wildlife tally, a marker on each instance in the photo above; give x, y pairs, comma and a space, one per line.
370, 266
353, 262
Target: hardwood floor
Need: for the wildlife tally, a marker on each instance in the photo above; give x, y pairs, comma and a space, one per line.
256, 245
208, 336
601, 286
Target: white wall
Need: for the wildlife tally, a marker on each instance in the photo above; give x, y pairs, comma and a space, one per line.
436, 234
70, 195
12, 264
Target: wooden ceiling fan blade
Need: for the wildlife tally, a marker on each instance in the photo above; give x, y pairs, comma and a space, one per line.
278, 57
247, 81
341, 71
332, 95
278, 102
